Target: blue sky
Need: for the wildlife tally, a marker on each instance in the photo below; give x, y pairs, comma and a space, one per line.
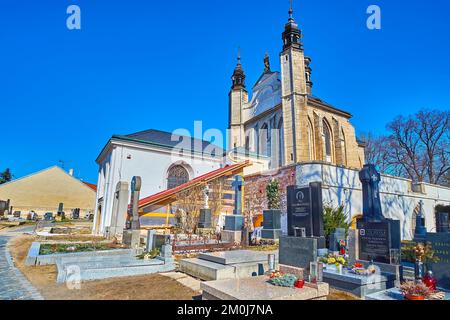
136, 65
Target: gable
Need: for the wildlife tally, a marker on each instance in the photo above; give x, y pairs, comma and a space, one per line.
48, 188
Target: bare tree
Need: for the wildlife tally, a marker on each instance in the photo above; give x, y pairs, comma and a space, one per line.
417, 147
377, 152
216, 197
421, 145
189, 203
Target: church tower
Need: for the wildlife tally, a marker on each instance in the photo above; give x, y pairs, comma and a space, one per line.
295, 86
238, 96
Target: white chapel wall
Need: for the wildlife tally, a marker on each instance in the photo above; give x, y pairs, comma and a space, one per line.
342, 186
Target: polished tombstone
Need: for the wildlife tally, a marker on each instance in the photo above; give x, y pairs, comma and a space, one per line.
271, 224
440, 243
305, 226
234, 224
336, 237
305, 209
132, 236
257, 288
442, 224
377, 235
298, 252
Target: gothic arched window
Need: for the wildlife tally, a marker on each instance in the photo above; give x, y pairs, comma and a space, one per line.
327, 141
264, 140
311, 140
344, 149
177, 176
280, 143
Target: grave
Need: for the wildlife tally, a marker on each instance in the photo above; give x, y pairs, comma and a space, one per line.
227, 264
205, 218
95, 265
305, 226
376, 239
386, 277
336, 237
234, 224
48, 216
271, 224
119, 210
257, 288
441, 245
132, 234
76, 214
377, 235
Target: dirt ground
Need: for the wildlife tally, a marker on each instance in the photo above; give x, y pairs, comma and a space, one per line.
149, 287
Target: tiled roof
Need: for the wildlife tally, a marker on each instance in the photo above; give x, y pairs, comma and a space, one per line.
166, 139
90, 185
168, 196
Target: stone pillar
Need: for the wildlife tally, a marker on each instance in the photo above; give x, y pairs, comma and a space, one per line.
132, 237
150, 240
119, 212
353, 247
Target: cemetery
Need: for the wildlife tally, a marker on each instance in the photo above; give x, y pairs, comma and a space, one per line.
320, 250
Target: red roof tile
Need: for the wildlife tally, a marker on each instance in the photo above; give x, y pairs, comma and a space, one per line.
166, 195
90, 185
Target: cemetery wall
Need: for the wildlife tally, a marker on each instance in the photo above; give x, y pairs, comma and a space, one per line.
151, 164
399, 197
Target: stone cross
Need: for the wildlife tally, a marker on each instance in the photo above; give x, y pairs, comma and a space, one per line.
136, 184
237, 186
370, 179
421, 230
206, 197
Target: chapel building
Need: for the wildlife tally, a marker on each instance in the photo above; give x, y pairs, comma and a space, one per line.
283, 120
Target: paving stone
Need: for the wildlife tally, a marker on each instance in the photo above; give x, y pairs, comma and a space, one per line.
13, 284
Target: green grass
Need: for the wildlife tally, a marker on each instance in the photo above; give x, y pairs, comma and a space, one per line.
64, 248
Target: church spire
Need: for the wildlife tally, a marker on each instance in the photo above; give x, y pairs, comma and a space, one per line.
238, 77
292, 33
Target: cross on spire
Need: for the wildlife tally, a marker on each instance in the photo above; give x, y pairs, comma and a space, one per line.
291, 11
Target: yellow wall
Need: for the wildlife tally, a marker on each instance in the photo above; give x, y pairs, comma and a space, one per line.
44, 190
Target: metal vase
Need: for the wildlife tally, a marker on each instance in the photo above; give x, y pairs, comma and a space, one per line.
419, 270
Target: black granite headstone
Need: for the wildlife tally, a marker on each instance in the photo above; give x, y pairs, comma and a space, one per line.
440, 243
442, 222
305, 209
377, 235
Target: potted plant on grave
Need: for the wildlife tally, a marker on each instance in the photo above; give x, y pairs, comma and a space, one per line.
415, 290
272, 216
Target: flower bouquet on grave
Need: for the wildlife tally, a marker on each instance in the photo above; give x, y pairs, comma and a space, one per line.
415, 290
334, 262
